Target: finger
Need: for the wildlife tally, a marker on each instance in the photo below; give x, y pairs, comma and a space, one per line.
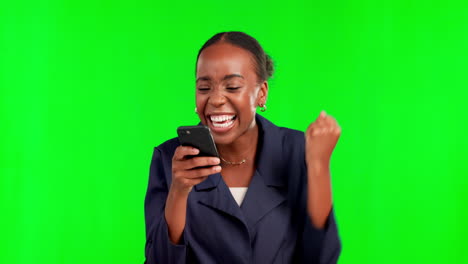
331, 121
182, 151
312, 126
190, 164
337, 130
202, 161
195, 181
327, 127
318, 131
323, 120
320, 125
315, 124
201, 172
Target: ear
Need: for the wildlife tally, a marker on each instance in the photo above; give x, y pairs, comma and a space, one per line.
262, 93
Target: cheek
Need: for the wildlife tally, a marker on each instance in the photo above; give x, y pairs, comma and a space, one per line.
200, 103
253, 102
247, 104
251, 99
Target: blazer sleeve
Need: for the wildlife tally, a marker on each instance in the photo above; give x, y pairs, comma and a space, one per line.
318, 245
159, 248
313, 245
321, 245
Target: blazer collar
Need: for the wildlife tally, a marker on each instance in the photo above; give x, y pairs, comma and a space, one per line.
262, 195
270, 163
270, 160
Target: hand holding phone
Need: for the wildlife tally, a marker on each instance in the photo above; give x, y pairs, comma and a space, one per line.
194, 160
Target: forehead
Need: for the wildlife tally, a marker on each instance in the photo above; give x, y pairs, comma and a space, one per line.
222, 59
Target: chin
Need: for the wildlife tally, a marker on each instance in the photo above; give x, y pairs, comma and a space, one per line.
224, 139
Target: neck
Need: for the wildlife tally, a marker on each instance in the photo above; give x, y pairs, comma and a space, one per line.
243, 147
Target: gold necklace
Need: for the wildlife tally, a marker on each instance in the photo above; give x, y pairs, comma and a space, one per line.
232, 162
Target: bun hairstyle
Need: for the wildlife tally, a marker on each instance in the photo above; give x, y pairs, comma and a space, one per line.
263, 62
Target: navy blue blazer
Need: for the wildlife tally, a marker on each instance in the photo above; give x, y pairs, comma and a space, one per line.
271, 225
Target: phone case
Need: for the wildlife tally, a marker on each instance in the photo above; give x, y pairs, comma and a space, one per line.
198, 137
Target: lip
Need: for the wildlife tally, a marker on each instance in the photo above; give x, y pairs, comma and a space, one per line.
220, 113
220, 129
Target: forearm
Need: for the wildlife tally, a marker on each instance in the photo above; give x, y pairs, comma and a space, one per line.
175, 214
319, 197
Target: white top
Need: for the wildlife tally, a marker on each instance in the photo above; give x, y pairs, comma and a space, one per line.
238, 193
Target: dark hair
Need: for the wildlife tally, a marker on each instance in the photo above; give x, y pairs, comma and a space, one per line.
264, 64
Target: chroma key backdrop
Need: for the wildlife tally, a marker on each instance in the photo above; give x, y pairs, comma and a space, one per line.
88, 88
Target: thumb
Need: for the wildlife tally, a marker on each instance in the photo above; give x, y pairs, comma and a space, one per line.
322, 114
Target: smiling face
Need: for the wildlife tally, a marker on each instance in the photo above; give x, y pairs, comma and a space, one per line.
228, 91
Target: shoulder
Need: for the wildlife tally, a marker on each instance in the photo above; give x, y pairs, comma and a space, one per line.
293, 145
161, 161
289, 138
283, 151
292, 135
165, 150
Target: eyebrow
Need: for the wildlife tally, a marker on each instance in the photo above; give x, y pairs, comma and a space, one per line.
229, 76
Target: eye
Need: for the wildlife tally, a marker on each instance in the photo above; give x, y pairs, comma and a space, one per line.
232, 88
203, 89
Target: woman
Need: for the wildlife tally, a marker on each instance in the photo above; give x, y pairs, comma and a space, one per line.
270, 199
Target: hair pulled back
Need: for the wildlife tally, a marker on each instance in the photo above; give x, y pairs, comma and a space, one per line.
263, 63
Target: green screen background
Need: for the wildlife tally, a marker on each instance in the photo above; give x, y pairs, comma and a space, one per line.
88, 88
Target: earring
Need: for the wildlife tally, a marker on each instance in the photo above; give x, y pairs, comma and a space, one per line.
196, 111
263, 107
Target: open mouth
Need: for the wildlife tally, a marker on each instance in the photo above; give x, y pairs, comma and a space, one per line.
221, 122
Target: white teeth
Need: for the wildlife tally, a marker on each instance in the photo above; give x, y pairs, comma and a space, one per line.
221, 118
223, 124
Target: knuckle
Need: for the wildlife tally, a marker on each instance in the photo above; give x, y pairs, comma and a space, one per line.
194, 162
198, 161
178, 153
205, 172
176, 174
175, 168
192, 174
188, 163
204, 161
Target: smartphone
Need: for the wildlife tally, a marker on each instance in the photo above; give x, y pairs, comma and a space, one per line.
198, 137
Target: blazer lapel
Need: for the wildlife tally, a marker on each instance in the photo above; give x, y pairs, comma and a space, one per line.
214, 193
267, 188
260, 199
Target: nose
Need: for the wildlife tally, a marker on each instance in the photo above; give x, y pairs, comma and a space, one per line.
216, 98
